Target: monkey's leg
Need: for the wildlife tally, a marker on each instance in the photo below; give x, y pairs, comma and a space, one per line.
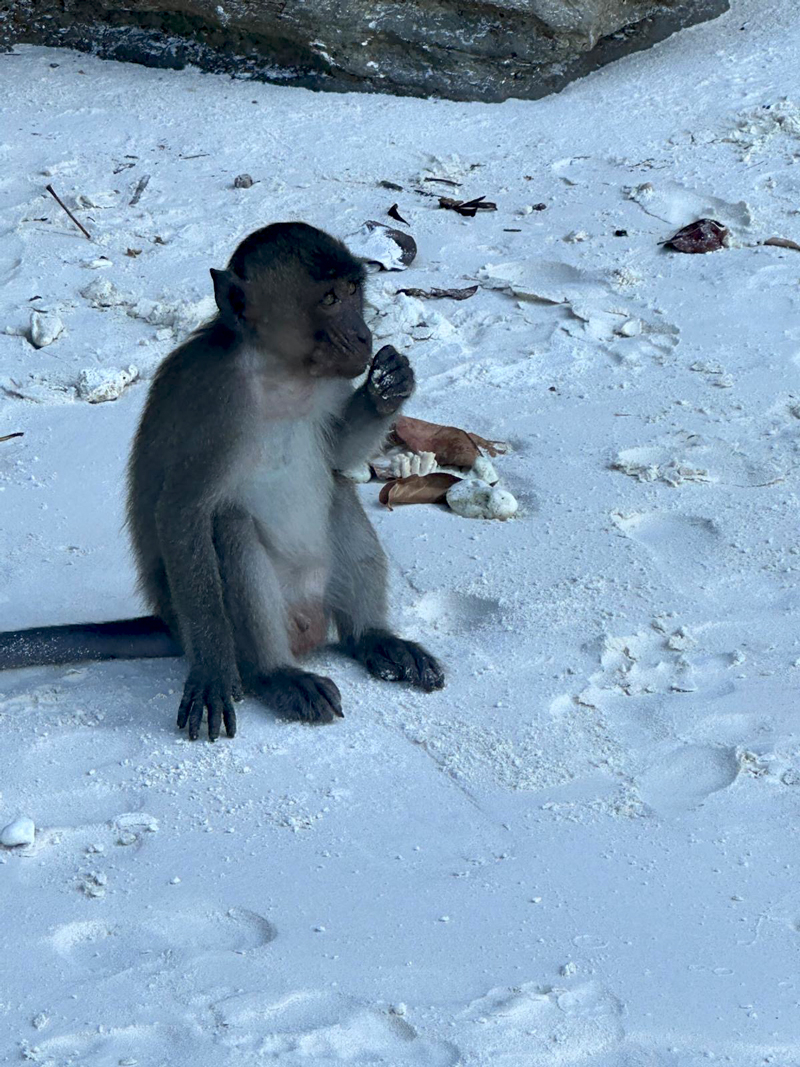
357, 599
255, 604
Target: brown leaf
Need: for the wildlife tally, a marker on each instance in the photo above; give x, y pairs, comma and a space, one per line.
438, 294
782, 242
494, 448
467, 208
391, 185
452, 446
394, 213
704, 235
133, 252
417, 489
8, 436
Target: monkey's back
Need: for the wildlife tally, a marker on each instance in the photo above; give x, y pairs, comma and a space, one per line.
169, 432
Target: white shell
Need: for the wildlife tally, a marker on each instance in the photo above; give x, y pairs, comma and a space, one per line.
407, 463
360, 473
474, 499
19, 832
45, 327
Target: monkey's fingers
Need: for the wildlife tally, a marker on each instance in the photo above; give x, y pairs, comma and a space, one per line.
186, 705
229, 718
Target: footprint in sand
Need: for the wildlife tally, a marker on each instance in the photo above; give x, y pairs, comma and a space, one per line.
112, 1046
324, 1029
526, 1025
683, 777
455, 613
236, 930
684, 547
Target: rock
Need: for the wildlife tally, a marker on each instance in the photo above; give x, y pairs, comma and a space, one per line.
242, 181
19, 832
463, 51
46, 326
483, 468
99, 384
474, 499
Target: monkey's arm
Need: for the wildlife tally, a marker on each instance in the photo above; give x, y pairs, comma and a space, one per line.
184, 518
371, 410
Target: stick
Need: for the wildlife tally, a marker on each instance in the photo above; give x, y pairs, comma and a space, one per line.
58, 200
8, 436
140, 188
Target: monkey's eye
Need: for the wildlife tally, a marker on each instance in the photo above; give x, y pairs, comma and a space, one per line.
328, 299
352, 287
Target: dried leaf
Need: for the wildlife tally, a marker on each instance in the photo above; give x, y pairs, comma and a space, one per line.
704, 235
467, 208
452, 446
8, 436
391, 185
782, 242
141, 185
438, 294
494, 448
417, 489
393, 213
133, 252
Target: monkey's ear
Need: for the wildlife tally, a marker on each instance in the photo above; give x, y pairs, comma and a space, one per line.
228, 295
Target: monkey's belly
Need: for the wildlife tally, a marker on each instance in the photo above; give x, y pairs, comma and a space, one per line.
307, 625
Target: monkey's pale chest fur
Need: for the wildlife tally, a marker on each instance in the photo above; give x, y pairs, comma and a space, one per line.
286, 484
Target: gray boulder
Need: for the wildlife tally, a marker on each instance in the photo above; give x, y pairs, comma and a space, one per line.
460, 50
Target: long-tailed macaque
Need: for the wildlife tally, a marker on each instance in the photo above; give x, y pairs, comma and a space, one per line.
249, 545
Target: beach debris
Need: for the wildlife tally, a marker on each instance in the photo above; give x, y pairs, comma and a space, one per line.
704, 235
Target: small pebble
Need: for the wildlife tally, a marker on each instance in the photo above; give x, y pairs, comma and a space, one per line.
46, 326
175, 881
631, 328
242, 181
483, 468
19, 832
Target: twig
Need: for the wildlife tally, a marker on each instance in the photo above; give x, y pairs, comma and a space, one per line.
59, 201
8, 436
140, 188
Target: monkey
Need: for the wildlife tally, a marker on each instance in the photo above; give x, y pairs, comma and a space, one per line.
249, 543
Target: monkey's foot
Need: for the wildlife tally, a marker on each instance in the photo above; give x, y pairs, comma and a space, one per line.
393, 659
296, 694
215, 691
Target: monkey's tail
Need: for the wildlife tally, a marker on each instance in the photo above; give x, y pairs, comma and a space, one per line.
143, 638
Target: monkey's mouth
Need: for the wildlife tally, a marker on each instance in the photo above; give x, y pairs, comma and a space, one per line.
334, 359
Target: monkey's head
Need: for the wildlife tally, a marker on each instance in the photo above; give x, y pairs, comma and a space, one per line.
297, 294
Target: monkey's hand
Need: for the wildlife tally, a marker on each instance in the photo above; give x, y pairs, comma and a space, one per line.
297, 694
390, 380
214, 688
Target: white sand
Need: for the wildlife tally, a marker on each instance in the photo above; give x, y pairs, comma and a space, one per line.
604, 801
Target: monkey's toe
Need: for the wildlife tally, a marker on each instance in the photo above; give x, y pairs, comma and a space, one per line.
393, 659
218, 696
296, 694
